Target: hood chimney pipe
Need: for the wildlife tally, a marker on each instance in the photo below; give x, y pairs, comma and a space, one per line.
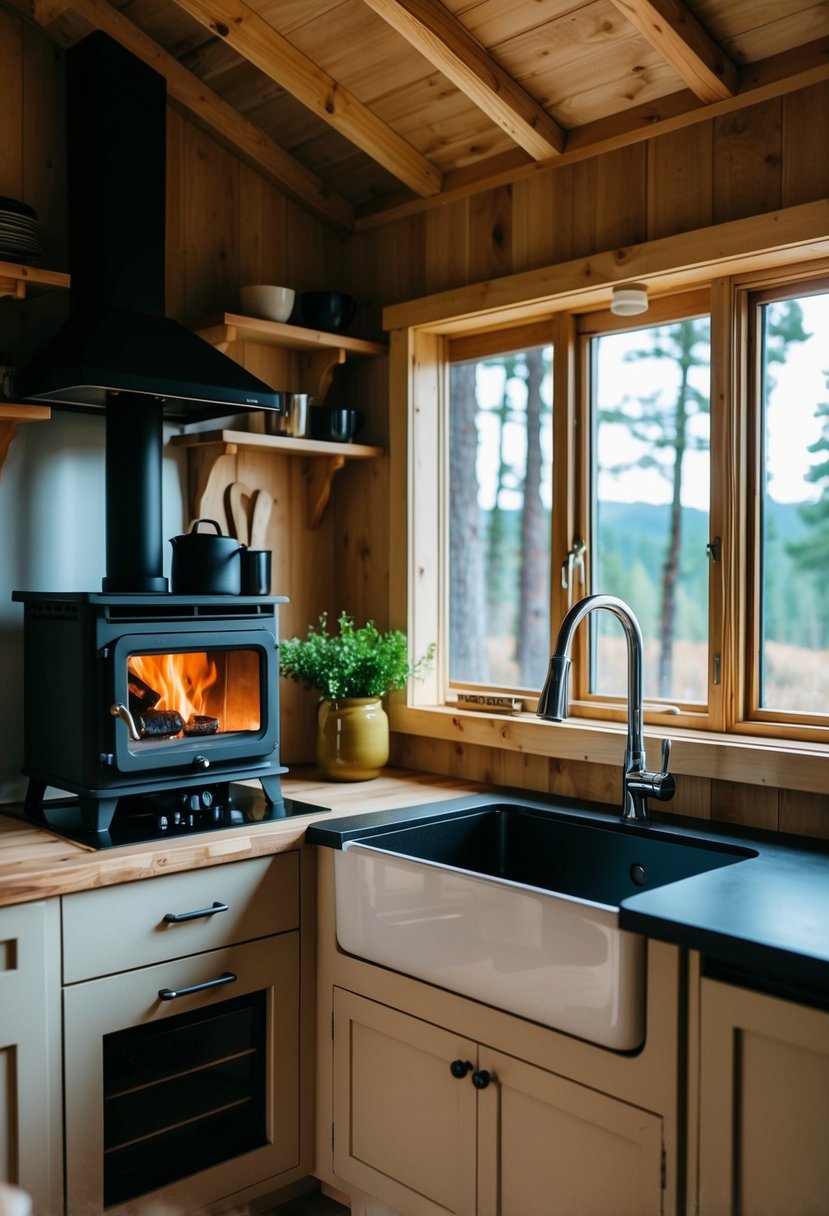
118, 352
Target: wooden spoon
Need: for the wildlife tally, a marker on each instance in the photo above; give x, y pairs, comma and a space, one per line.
239, 499
262, 507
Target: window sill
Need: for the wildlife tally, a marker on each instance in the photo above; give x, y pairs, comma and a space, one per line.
782, 764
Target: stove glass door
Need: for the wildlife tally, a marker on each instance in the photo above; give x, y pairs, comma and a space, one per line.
184, 698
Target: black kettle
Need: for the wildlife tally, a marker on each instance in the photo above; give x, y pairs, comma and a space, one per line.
204, 564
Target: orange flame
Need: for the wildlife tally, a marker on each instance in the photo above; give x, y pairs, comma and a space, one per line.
182, 679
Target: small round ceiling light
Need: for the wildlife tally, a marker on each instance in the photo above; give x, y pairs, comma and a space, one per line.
629, 300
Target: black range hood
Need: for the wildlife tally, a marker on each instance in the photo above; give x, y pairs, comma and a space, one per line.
117, 340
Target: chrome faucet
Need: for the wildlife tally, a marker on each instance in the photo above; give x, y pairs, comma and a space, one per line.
638, 784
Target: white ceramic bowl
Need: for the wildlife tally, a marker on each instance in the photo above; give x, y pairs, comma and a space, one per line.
272, 303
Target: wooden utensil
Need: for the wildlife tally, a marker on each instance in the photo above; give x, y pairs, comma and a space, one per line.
239, 502
262, 507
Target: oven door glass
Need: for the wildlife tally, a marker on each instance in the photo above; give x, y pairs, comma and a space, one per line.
182, 699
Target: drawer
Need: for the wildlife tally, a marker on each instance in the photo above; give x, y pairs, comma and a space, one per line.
117, 928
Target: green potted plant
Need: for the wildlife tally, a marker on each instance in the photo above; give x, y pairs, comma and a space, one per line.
352, 670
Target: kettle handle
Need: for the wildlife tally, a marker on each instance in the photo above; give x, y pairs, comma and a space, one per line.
194, 527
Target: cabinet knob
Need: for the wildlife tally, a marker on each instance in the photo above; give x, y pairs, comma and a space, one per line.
459, 1068
481, 1078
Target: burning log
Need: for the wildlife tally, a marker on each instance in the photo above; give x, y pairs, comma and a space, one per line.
141, 696
159, 723
201, 724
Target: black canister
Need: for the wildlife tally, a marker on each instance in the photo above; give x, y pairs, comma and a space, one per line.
256, 571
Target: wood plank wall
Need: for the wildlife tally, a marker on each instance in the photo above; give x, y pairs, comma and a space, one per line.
227, 226
768, 156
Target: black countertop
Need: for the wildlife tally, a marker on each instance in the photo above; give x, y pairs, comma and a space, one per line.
763, 920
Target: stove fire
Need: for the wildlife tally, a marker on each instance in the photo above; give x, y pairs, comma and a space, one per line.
187, 694
168, 694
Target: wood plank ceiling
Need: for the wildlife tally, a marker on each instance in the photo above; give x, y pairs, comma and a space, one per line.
365, 109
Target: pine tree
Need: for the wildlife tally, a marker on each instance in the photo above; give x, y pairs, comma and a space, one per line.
811, 555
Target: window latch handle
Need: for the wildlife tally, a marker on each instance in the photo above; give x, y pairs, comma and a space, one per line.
574, 561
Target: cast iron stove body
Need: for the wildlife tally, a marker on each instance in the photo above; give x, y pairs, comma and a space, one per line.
152, 701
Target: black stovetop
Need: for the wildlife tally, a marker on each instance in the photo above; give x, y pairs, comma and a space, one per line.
147, 818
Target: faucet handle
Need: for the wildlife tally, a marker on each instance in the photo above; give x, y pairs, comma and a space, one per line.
663, 785
666, 755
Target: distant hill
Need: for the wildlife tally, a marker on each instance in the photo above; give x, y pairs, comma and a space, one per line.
632, 545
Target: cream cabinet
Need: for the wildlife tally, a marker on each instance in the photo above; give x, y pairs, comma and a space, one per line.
182, 1026
429, 1122
763, 1105
30, 1052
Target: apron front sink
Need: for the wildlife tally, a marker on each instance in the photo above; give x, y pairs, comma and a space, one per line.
517, 907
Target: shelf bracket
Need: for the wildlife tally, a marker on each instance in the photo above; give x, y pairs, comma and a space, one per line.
317, 369
220, 336
319, 475
8, 430
12, 287
11, 416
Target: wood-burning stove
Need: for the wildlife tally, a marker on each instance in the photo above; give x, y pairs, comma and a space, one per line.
139, 704
151, 703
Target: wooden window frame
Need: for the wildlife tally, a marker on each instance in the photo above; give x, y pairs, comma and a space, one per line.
728, 260
749, 716
592, 705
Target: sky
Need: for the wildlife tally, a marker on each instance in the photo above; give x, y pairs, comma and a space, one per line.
800, 384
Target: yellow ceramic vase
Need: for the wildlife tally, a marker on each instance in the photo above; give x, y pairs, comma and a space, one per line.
352, 738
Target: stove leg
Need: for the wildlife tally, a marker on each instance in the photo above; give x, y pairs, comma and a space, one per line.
33, 804
96, 813
272, 789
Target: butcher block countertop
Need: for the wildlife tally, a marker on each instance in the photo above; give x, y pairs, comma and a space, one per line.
35, 863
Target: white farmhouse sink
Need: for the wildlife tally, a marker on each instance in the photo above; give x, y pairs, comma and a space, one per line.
516, 907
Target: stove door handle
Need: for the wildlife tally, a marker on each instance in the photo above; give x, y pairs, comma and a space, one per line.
171, 994
176, 918
120, 711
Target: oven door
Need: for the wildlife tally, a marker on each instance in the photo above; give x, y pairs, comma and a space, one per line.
186, 1099
192, 700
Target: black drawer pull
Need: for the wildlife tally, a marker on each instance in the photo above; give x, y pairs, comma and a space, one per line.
175, 918
170, 994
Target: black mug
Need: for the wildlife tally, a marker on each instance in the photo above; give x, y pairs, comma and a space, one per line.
256, 571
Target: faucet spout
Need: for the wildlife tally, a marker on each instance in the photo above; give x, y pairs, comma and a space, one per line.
638, 784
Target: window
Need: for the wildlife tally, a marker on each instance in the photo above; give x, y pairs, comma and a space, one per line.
647, 511
678, 460
790, 416
500, 501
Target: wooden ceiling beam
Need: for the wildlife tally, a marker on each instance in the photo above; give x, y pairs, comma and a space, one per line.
209, 110
260, 44
788, 72
675, 33
447, 44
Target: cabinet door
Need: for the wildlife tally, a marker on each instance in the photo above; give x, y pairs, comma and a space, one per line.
404, 1125
549, 1147
764, 1105
30, 1057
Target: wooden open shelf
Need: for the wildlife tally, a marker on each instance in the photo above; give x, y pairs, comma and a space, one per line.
16, 279
12, 413
232, 327
319, 352
322, 461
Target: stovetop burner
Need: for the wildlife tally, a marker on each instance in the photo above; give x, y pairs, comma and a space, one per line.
168, 815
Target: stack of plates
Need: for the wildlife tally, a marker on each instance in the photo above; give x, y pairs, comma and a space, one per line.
18, 231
